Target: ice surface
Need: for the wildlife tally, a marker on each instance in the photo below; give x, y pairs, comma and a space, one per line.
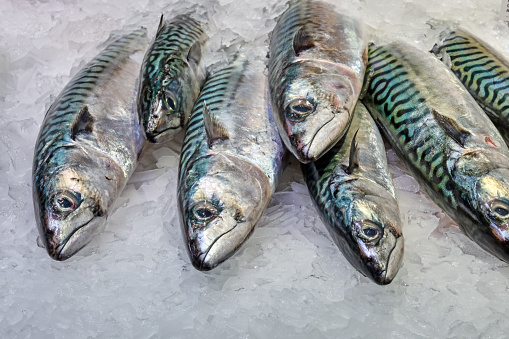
289, 280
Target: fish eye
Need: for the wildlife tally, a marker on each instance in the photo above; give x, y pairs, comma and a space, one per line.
65, 201
204, 211
369, 231
169, 101
299, 109
499, 209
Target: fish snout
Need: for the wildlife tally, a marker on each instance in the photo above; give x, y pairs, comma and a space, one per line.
393, 264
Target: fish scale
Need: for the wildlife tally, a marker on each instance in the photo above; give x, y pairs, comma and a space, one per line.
353, 191
230, 163
316, 67
168, 67
87, 147
61, 114
483, 71
442, 135
213, 93
398, 108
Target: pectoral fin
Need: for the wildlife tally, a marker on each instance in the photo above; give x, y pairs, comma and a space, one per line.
353, 160
214, 129
302, 40
452, 128
83, 124
195, 53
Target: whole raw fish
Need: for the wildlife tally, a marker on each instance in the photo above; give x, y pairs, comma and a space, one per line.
445, 138
482, 70
230, 164
88, 147
171, 77
353, 192
316, 69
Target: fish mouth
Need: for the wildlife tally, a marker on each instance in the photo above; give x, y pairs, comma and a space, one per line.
393, 264
64, 251
319, 146
203, 262
158, 136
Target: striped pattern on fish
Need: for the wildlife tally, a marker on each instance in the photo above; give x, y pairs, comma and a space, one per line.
171, 77
87, 147
316, 68
230, 163
445, 139
214, 94
352, 189
55, 130
482, 70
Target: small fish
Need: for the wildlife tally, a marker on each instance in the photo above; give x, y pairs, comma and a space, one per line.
482, 70
171, 78
230, 164
445, 139
88, 147
316, 69
353, 192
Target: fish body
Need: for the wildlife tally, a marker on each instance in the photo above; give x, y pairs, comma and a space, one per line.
316, 69
171, 77
88, 147
353, 191
483, 71
445, 139
230, 164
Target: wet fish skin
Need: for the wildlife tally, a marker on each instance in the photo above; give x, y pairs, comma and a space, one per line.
171, 77
447, 141
482, 70
230, 164
87, 148
353, 191
316, 69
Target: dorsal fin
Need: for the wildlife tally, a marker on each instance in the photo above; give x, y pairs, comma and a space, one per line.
214, 129
161, 24
195, 53
353, 160
302, 41
83, 124
452, 128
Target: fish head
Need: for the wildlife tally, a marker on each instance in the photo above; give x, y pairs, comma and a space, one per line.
484, 175
162, 104
317, 109
220, 210
71, 203
375, 237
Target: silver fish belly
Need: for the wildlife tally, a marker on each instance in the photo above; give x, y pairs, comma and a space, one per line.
354, 194
171, 78
316, 69
445, 139
230, 164
87, 148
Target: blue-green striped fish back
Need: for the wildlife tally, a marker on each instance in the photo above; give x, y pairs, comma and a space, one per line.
171, 77
56, 126
402, 105
482, 70
217, 89
445, 139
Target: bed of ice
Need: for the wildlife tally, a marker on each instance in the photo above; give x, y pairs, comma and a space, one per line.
288, 280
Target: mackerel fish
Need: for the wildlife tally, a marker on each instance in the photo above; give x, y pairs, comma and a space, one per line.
316, 69
444, 138
171, 78
482, 70
88, 147
231, 161
353, 191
